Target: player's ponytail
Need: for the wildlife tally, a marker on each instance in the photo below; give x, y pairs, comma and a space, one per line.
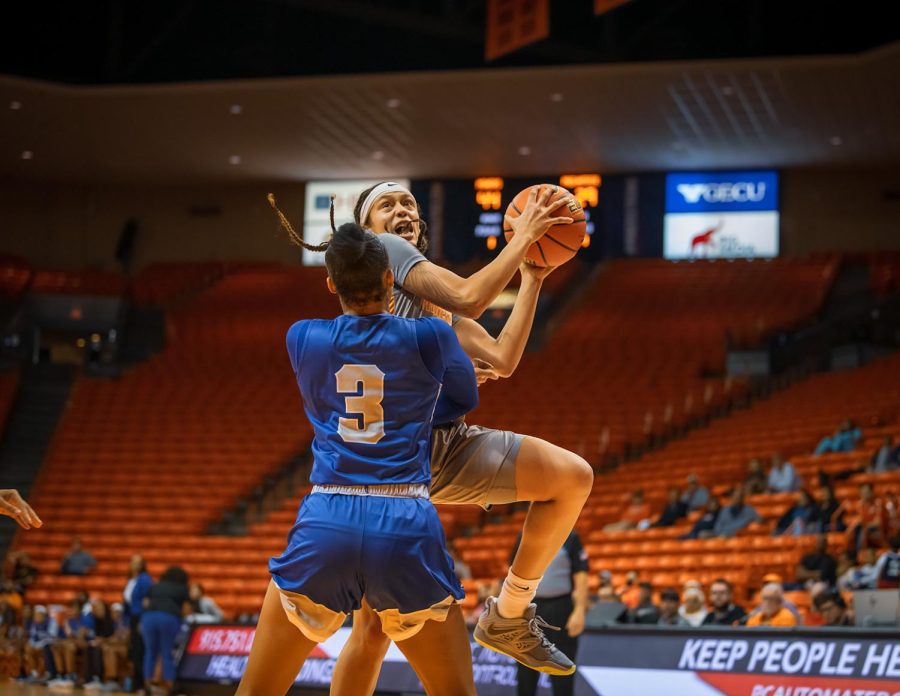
356, 261
292, 233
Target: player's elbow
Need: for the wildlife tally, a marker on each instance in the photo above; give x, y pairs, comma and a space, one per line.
471, 306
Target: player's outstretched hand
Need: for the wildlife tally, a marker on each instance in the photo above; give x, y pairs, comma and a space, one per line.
483, 371
12, 505
536, 217
526, 268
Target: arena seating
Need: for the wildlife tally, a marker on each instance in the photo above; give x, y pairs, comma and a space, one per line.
162, 283
15, 275
144, 463
9, 382
78, 282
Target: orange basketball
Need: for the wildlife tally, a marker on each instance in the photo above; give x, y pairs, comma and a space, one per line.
561, 242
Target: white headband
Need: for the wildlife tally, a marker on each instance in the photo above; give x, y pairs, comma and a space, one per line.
378, 192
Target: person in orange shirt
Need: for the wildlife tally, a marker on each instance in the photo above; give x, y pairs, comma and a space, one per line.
773, 611
634, 513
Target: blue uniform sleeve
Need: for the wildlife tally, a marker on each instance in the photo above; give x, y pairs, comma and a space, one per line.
296, 336
448, 364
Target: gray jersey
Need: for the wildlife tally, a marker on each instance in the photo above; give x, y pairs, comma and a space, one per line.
402, 256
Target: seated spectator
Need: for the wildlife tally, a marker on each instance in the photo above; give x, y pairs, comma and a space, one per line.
645, 611
23, 572
724, 611
756, 480
735, 517
772, 611
203, 608
42, 633
887, 567
863, 575
782, 476
798, 517
694, 496
104, 628
868, 524
813, 616
669, 602
10, 641
607, 609
115, 649
693, 610
673, 511
78, 561
886, 457
605, 579
892, 514
634, 514
704, 527
818, 565
75, 632
10, 595
831, 605
843, 439
829, 514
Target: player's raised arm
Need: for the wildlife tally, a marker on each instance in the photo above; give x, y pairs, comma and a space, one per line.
504, 352
469, 297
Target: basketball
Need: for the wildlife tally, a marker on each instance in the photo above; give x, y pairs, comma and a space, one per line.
561, 242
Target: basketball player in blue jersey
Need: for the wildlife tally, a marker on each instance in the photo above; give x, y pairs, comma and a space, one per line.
471, 464
371, 384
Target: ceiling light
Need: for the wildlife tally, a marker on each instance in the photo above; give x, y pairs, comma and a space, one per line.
836, 140
27, 154
392, 103
15, 105
234, 159
524, 150
556, 97
378, 155
236, 109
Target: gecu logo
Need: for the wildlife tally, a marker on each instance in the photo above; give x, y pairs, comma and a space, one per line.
741, 192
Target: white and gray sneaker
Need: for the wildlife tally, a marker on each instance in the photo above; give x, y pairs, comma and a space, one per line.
522, 639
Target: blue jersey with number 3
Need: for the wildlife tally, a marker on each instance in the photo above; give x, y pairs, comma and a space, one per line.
373, 386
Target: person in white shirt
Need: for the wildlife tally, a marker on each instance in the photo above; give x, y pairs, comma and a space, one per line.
693, 609
782, 476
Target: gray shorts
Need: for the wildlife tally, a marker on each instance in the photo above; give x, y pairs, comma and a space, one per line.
471, 465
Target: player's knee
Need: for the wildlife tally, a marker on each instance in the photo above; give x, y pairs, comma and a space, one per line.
579, 476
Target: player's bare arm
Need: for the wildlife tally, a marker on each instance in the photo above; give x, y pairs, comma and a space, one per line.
504, 352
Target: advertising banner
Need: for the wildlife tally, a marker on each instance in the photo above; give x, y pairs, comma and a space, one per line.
721, 215
622, 662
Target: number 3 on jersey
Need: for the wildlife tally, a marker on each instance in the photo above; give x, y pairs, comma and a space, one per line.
367, 404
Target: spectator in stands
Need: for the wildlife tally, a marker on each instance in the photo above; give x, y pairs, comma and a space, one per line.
782, 476
12, 505
605, 579
10, 595
104, 628
167, 602
772, 611
607, 609
203, 608
886, 457
669, 602
869, 523
693, 609
673, 511
736, 516
887, 567
10, 641
892, 514
136, 589
756, 480
724, 611
705, 526
75, 632
42, 632
818, 565
831, 605
843, 439
829, 514
694, 496
460, 567
78, 561
798, 517
629, 592
645, 611
23, 572
633, 515
863, 575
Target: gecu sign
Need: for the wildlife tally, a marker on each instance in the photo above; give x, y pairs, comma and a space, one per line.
727, 192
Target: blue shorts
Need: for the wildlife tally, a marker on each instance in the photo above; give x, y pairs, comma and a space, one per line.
342, 548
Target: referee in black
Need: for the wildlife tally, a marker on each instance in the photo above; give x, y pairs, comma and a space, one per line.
562, 600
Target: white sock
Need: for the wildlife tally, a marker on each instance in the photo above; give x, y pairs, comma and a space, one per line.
515, 595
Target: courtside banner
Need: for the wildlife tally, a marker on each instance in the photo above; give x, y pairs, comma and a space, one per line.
623, 662
721, 215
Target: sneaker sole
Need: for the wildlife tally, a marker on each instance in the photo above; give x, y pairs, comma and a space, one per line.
554, 671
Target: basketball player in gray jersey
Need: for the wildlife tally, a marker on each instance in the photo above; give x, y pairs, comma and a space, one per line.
471, 464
